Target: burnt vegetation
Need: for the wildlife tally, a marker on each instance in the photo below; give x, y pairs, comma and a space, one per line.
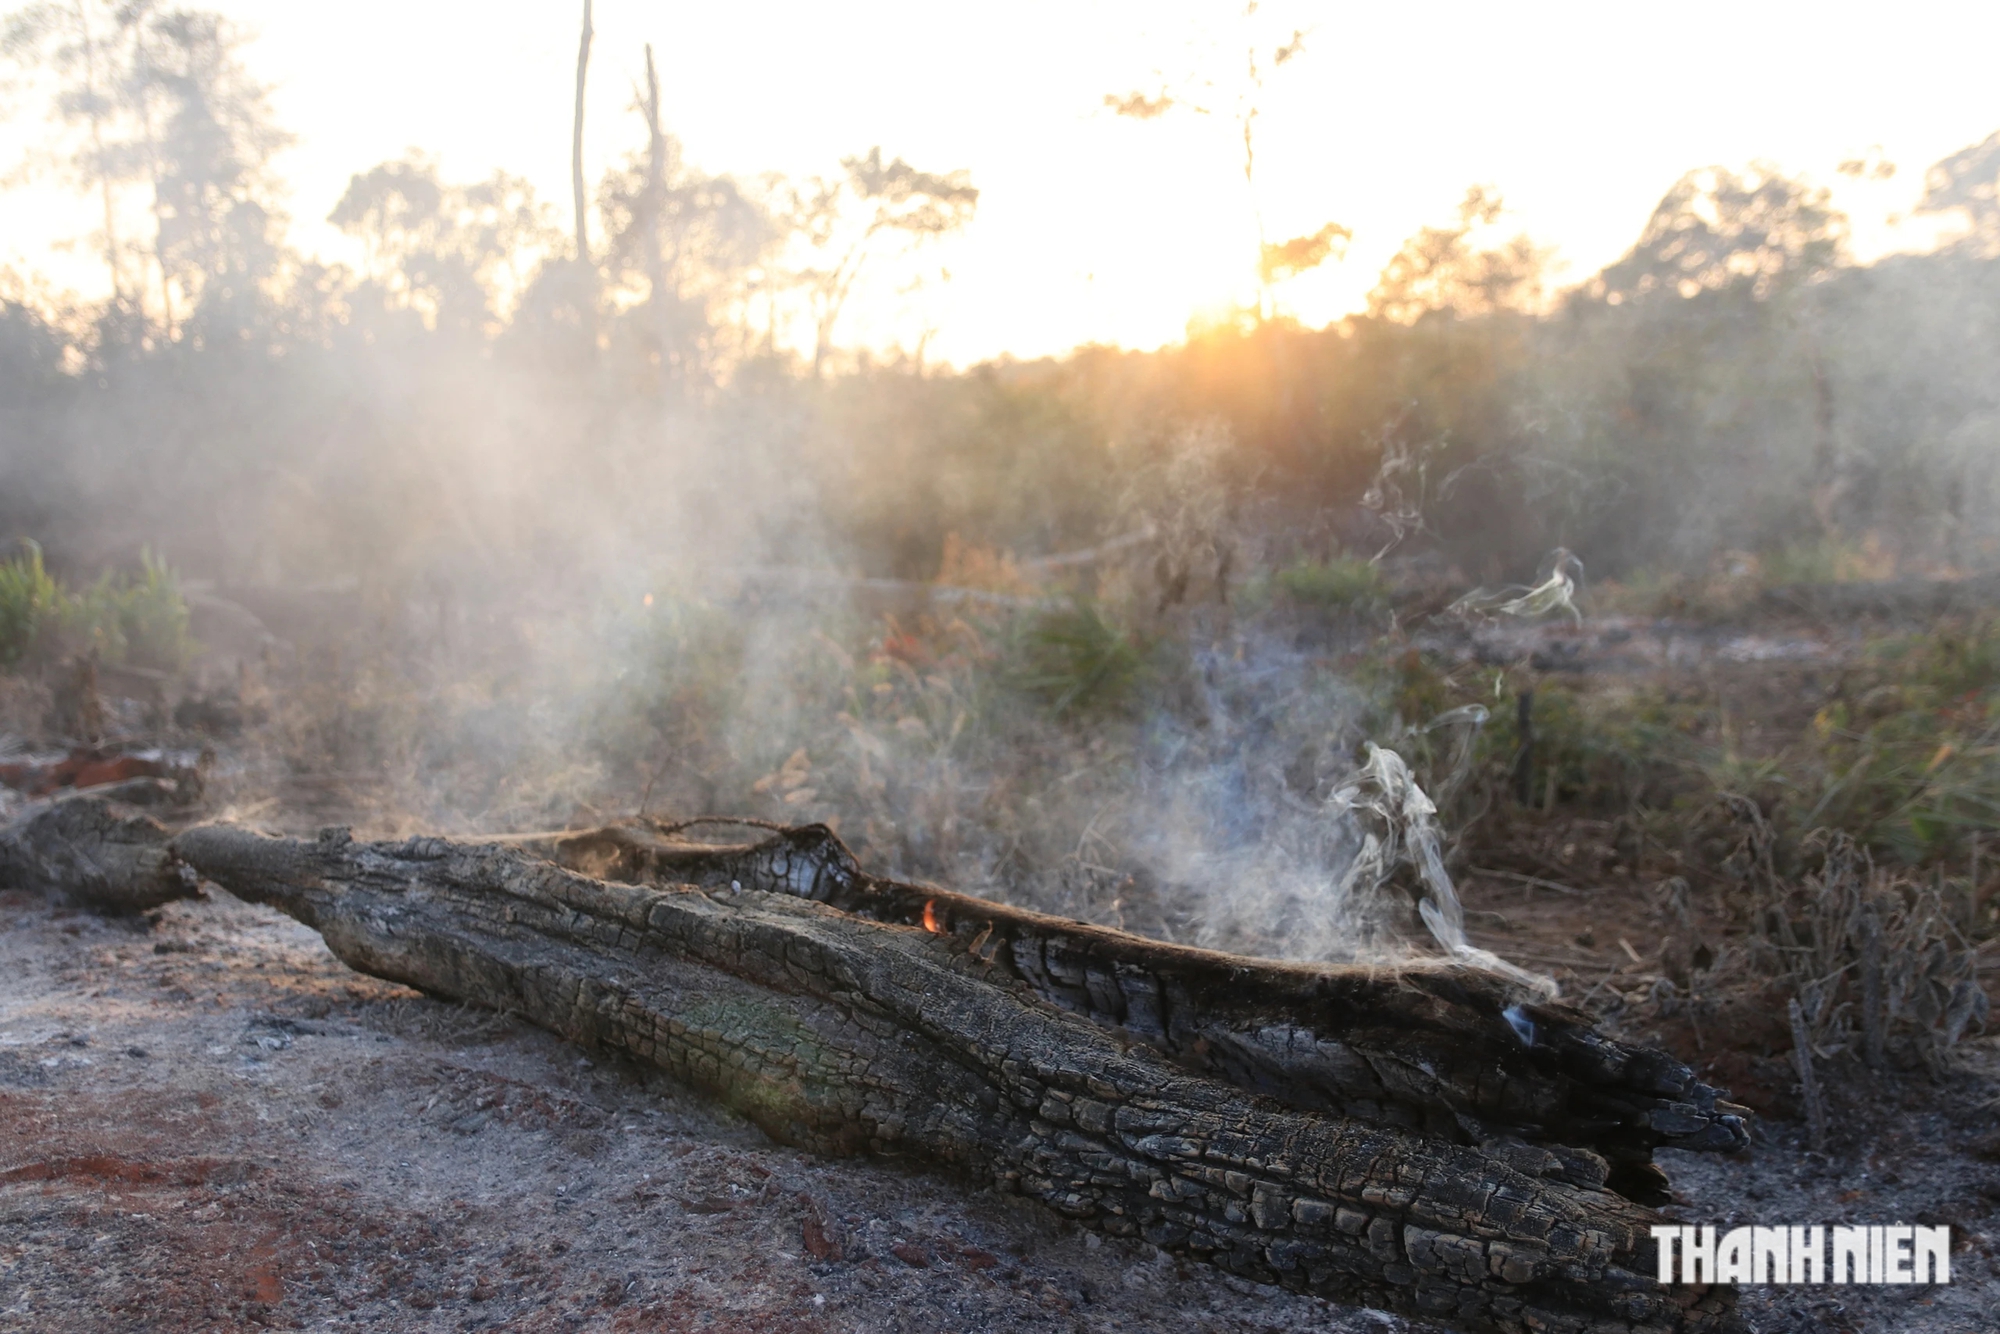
572, 529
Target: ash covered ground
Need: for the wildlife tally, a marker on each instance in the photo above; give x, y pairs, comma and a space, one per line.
209, 1122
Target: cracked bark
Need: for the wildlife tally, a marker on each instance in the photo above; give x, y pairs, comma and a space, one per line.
1449, 1051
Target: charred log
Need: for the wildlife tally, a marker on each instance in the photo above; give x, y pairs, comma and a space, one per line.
1375, 1136
847, 1029
1451, 1052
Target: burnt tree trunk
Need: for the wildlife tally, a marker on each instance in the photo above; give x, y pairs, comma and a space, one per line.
1363, 1135
1450, 1051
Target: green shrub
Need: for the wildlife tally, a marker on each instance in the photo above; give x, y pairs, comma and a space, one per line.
152, 617
1603, 751
1906, 757
29, 600
679, 680
141, 621
1076, 661
88, 622
1611, 751
1822, 560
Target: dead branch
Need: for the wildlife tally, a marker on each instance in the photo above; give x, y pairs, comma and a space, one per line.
1802, 1059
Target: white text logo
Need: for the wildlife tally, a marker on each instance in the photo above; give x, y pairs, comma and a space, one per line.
1805, 1254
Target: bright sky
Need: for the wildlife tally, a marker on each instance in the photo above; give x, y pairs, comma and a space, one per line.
1096, 228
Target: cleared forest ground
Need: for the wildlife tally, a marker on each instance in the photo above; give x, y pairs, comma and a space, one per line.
207, 1121
214, 1124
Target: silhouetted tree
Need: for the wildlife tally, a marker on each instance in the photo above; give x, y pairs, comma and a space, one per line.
1444, 269
76, 43
454, 253
1716, 230
1241, 98
1969, 181
211, 137
845, 222
693, 248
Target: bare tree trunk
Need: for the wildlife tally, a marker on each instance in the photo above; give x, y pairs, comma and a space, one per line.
657, 168
1524, 754
585, 272
576, 143
159, 223
1826, 465
1211, 1105
99, 163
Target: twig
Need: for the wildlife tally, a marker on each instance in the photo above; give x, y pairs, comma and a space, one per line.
1808, 1086
1536, 881
646, 797
1874, 1001
678, 825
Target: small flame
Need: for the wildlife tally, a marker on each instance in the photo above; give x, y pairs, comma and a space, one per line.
931, 923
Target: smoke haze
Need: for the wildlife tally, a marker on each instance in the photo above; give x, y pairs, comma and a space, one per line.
482, 538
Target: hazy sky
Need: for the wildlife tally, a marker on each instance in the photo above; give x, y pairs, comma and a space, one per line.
1096, 228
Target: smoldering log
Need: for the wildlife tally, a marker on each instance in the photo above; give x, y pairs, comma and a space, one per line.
1453, 1052
790, 988
841, 1034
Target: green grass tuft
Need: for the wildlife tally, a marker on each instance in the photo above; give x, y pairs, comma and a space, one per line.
1343, 584
137, 620
30, 599
1076, 661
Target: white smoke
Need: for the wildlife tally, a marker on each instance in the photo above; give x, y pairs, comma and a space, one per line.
1554, 592
1401, 828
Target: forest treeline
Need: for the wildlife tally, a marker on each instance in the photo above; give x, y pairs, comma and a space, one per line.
475, 393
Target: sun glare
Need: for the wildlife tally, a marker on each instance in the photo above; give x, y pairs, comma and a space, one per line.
1096, 226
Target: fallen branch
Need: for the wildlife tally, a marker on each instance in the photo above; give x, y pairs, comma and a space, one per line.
1210, 1104
1802, 1058
1532, 881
